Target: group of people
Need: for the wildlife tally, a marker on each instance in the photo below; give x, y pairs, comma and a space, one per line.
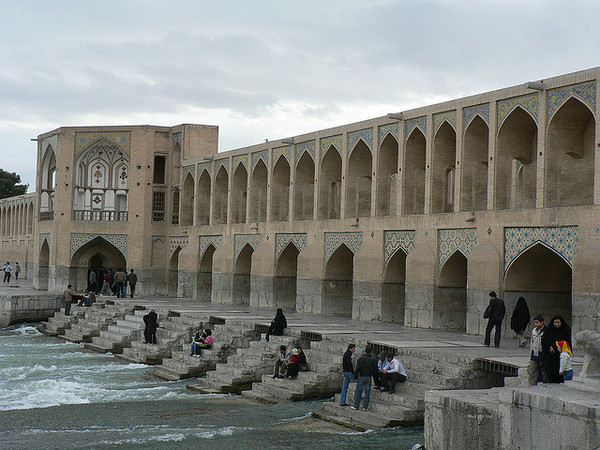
203, 340
551, 353
69, 295
7, 268
386, 372
108, 282
289, 363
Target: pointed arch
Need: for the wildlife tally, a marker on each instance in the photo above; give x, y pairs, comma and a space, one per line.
239, 194
443, 169
97, 248
280, 190
516, 165
387, 176
187, 201
413, 191
173, 273
393, 292
285, 280
176, 164
337, 283
358, 185
330, 186
570, 156
450, 296
204, 273
304, 188
175, 207
258, 193
220, 199
475, 166
241, 276
43, 266
203, 198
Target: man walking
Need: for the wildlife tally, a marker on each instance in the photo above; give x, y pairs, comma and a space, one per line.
366, 367
534, 370
7, 268
120, 279
93, 277
132, 280
495, 313
348, 370
17, 271
151, 321
68, 294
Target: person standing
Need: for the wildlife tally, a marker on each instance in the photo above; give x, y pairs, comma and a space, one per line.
392, 374
120, 279
566, 369
348, 370
534, 370
7, 268
366, 368
132, 280
151, 321
17, 271
68, 295
519, 320
92, 278
558, 330
495, 313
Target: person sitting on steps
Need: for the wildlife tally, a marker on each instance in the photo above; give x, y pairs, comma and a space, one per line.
205, 340
281, 361
278, 324
293, 365
394, 373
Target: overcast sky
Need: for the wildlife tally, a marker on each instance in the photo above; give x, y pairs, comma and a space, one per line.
267, 69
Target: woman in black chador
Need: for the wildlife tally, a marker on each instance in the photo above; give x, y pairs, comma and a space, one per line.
277, 324
519, 320
557, 330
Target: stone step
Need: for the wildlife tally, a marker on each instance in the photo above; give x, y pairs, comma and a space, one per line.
408, 395
100, 344
364, 420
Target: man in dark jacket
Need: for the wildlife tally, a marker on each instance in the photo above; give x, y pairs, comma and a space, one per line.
348, 370
495, 313
366, 367
151, 321
132, 280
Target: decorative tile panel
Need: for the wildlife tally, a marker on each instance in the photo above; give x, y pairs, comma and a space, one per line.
159, 238
240, 159
177, 241
216, 240
461, 239
482, 110
52, 141
586, 92
222, 163
410, 125
242, 239
308, 146
353, 240
438, 120
563, 240
177, 139
264, 155
85, 139
78, 240
189, 169
528, 102
283, 239
336, 141
397, 239
286, 152
365, 135
202, 167
392, 128
44, 237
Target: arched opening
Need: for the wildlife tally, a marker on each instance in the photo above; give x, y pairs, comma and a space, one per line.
284, 282
393, 295
239, 194
544, 278
443, 168
516, 166
413, 192
280, 191
44, 266
337, 284
304, 190
176, 166
48, 183
219, 205
241, 276
96, 253
330, 186
175, 207
387, 176
475, 166
30, 219
204, 199
187, 202
204, 281
258, 192
450, 297
173, 275
358, 186
570, 156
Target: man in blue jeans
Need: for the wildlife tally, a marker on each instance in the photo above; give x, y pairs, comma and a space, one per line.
366, 368
348, 370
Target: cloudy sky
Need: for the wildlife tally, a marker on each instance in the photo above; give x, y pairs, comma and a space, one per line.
267, 69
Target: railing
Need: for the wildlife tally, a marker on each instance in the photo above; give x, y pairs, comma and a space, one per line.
101, 216
175, 219
46, 215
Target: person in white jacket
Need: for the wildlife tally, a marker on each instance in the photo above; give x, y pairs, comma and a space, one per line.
392, 374
566, 369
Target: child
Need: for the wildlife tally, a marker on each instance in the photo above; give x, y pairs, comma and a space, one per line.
566, 369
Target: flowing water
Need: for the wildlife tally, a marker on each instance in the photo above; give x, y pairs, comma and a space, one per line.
55, 394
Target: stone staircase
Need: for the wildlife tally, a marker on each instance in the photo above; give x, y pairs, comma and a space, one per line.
323, 379
229, 337
426, 370
245, 366
120, 335
96, 318
59, 323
